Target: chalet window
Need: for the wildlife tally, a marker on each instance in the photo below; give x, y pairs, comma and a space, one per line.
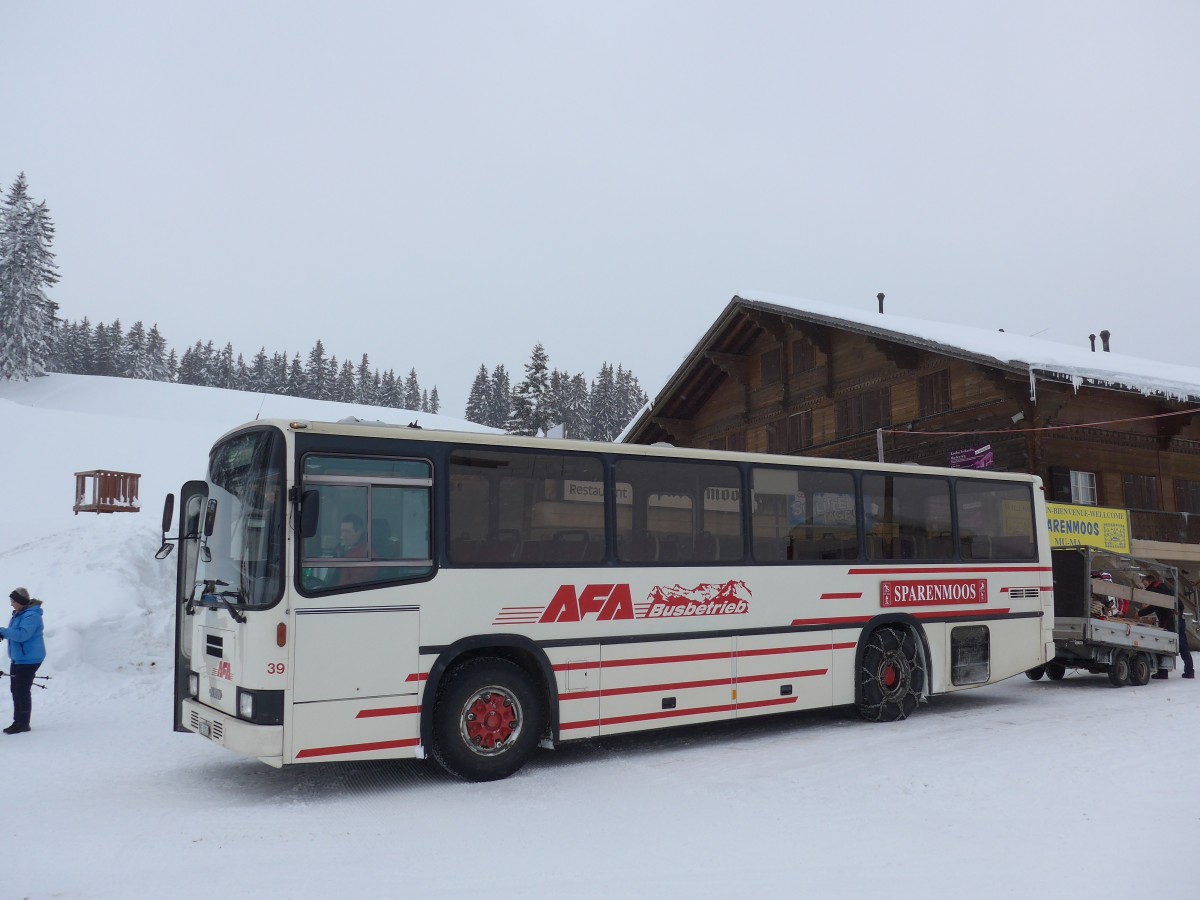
1187, 495
770, 367
800, 430
864, 412
934, 392
1083, 488
776, 442
1141, 491
804, 356
735, 442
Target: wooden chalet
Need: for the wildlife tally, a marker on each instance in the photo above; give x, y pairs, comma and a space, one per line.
781, 376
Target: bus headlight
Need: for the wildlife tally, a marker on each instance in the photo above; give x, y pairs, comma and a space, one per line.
260, 707
193, 685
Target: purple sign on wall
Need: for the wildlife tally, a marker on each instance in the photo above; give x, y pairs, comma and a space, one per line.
973, 458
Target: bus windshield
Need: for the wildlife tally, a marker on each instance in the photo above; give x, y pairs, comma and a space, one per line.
245, 478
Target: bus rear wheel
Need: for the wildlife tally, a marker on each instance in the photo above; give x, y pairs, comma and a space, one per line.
892, 677
487, 720
1036, 673
1055, 671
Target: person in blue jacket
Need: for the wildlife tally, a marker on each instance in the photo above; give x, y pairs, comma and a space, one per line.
27, 650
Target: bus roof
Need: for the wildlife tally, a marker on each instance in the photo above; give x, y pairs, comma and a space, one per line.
382, 430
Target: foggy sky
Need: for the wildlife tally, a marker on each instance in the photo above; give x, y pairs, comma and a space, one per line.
445, 185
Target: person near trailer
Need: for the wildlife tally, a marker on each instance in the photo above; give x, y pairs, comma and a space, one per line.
27, 651
1171, 620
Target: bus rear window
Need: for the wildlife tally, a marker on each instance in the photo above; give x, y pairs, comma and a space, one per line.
995, 520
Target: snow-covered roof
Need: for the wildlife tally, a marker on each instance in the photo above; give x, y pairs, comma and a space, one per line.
1013, 352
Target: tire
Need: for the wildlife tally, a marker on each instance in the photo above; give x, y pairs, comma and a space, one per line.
487, 720
1036, 673
892, 677
1055, 671
1118, 670
1140, 669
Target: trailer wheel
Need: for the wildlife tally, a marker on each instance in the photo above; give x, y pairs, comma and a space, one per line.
892, 677
1118, 669
487, 720
1036, 673
1139, 669
1055, 671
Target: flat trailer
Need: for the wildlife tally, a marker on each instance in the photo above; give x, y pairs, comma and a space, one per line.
1097, 627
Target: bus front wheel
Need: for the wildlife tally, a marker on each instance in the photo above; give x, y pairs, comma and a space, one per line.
487, 720
892, 677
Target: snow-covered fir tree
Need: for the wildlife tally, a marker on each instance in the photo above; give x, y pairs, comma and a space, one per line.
135, 361
435, 403
531, 410
27, 270
412, 391
477, 399
347, 385
316, 373
603, 414
156, 355
365, 382
500, 400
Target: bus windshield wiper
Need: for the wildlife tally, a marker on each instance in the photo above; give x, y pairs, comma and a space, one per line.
212, 597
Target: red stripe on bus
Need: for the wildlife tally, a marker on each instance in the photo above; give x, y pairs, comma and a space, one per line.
694, 657
941, 614
392, 711
417, 676
675, 713
686, 685
650, 660
841, 596
911, 570
769, 651
833, 620
357, 748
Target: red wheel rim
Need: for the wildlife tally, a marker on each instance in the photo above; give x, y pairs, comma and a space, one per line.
491, 719
889, 676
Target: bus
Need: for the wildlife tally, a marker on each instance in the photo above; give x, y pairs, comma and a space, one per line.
362, 591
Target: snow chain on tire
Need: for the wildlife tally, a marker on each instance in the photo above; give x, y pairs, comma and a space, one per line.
892, 676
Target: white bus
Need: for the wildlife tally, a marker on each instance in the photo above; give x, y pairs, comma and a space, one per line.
365, 591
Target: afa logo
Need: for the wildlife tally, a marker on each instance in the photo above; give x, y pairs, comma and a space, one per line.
222, 670
610, 602
607, 601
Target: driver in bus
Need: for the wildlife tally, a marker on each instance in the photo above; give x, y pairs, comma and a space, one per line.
352, 544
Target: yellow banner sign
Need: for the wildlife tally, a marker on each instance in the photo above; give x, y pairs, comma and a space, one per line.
1093, 526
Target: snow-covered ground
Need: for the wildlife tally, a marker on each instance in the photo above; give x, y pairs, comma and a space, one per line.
1072, 790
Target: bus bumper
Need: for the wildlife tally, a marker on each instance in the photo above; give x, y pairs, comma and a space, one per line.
263, 741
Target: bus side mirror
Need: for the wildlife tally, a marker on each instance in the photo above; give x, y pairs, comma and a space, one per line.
210, 518
310, 511
168, 513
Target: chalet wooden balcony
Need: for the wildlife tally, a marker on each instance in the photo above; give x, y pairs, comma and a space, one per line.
1166, 527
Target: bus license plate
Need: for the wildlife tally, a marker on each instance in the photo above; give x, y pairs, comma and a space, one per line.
205, 728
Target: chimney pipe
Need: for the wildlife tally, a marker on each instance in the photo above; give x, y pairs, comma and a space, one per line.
879, 297
1104, 336
1092, 338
